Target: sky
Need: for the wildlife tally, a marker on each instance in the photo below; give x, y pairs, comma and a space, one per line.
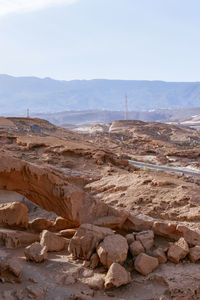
111, 39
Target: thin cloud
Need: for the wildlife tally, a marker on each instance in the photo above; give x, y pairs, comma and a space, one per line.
22, 6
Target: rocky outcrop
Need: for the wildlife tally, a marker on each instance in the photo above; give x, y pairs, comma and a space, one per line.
55, 192
13, 215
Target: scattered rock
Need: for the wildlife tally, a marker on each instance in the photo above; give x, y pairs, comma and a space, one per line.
114, 248
94, 261
68, 233
136, 248
10, 269
166, 229
36, 252
130, 238
146, 238
145, 264
96, 282
39, 224
36, 292
13, 215
160, 254
86, 240
178, 250
16, 239
138, 222
52, 241
61, 224
116, 276
194, 253
192, 236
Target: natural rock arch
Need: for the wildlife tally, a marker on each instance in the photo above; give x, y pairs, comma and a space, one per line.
52, 191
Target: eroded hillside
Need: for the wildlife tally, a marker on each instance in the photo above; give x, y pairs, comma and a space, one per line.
119, 231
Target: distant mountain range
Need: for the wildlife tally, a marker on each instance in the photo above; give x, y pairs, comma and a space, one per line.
48, 95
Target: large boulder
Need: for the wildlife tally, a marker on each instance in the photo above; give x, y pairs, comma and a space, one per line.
52, 241
145, 264
36, 252
113, 249
13, 215
86, 240
178, 250
116, 276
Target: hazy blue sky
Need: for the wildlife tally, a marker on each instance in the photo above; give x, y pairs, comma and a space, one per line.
115, 39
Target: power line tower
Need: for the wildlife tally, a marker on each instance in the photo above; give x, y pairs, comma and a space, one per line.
126, 107
28, 113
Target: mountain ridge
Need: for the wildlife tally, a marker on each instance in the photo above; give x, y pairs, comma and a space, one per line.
50, 95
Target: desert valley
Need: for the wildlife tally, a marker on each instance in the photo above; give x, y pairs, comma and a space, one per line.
80, 221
